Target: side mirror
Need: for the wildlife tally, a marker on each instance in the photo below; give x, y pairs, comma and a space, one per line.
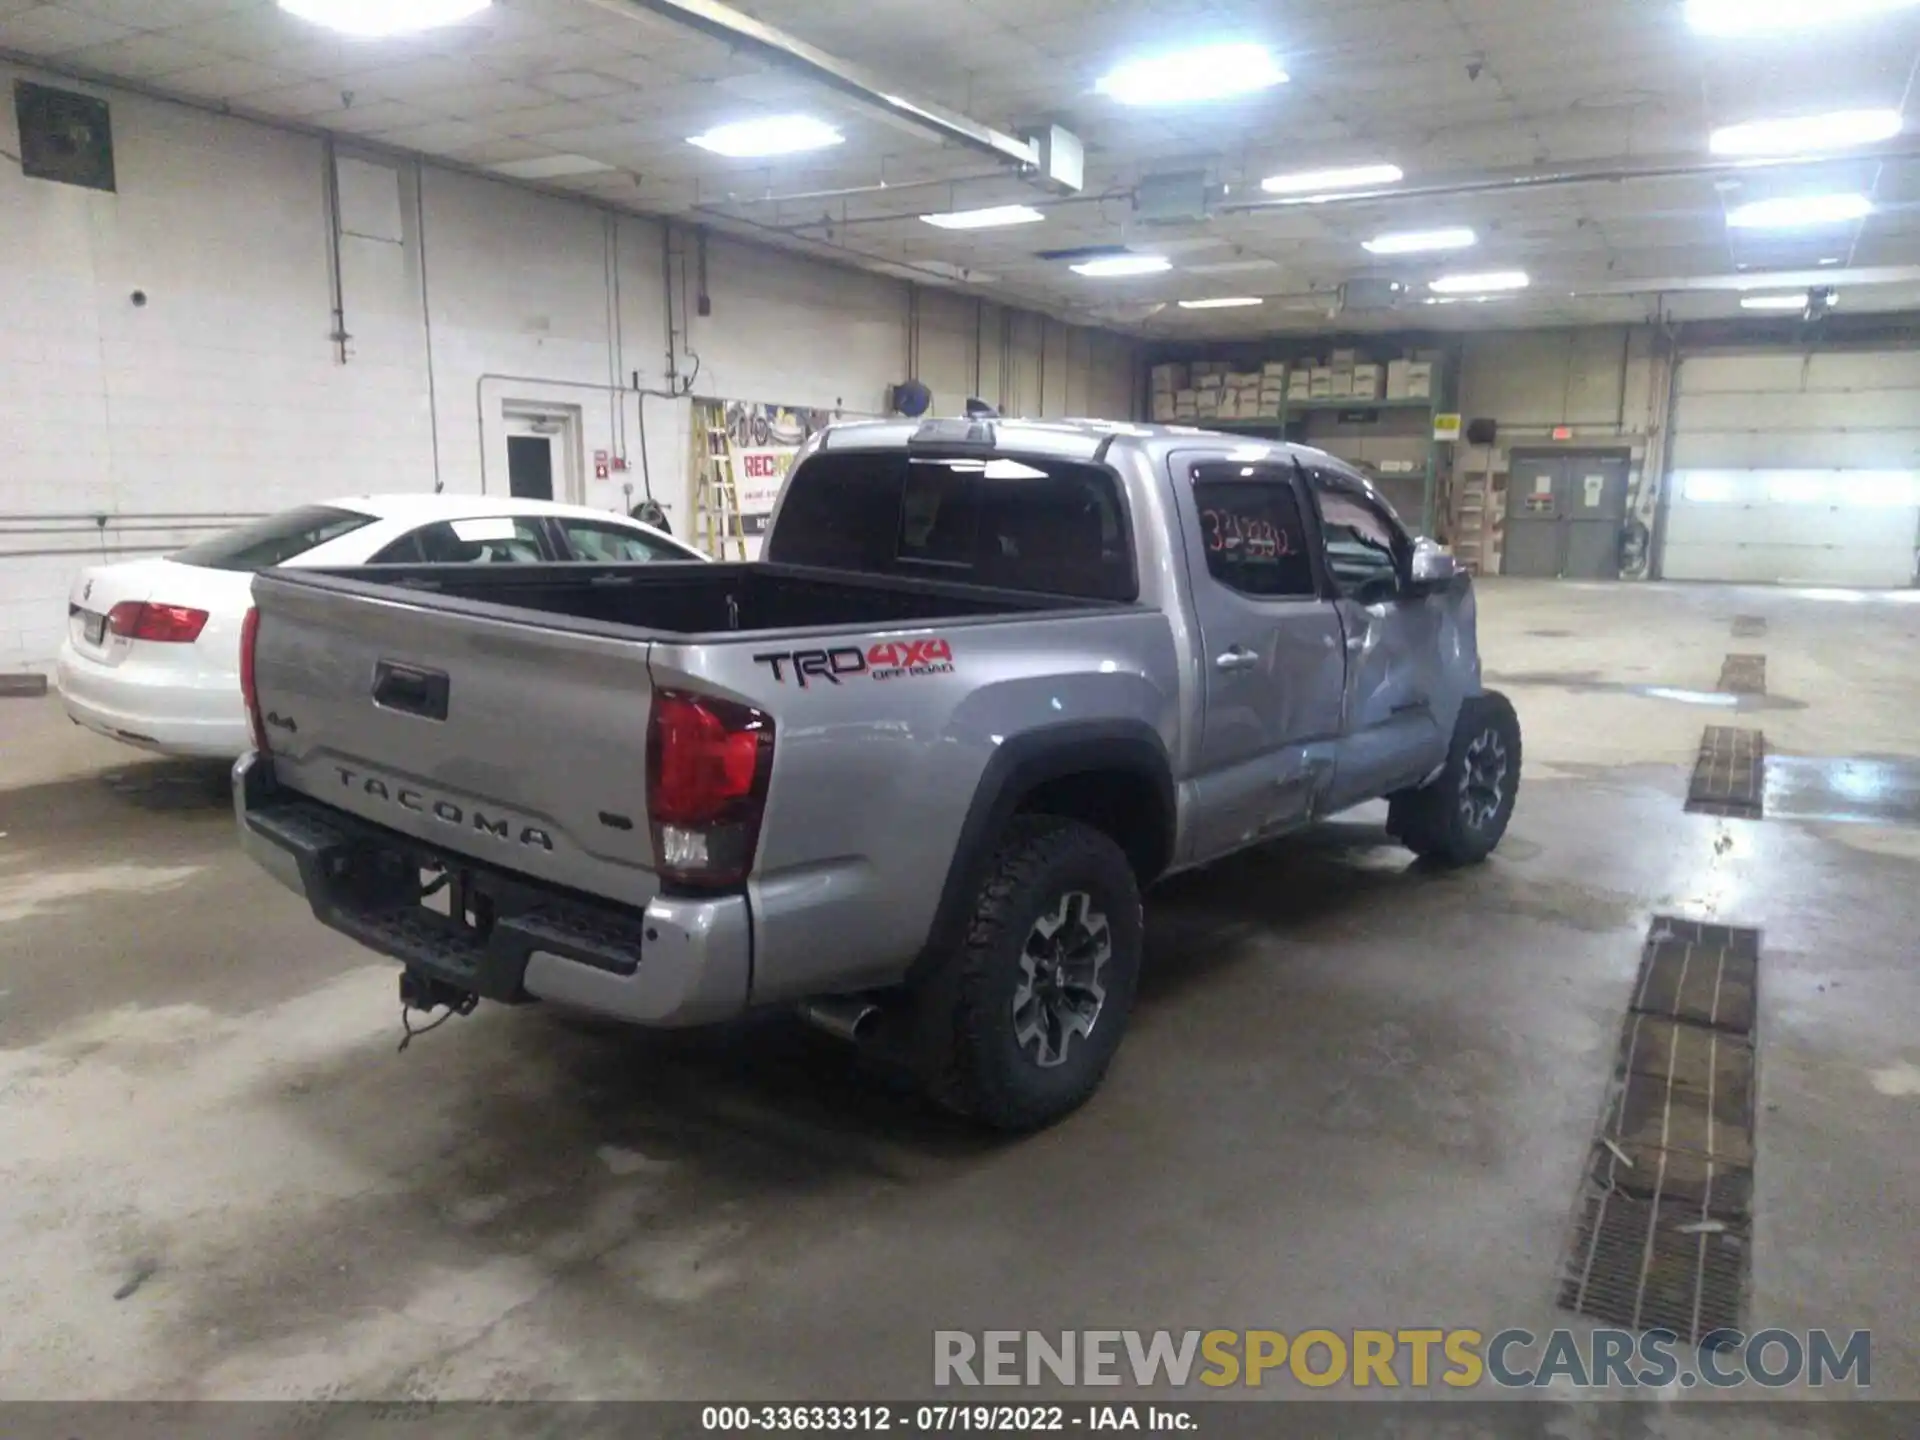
1433, 569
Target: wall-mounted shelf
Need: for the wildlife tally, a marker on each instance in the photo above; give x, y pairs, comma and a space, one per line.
1381, 437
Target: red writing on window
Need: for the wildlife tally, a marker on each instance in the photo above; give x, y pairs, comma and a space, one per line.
1250, 537
762, 467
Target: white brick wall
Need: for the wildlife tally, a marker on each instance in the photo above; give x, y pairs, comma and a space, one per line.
224, 396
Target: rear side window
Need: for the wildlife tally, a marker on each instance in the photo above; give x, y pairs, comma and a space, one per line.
1050, 526
1251, 531
500, 540
275, 540
595, 540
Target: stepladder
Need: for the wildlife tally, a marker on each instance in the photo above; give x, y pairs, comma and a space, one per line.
718, 526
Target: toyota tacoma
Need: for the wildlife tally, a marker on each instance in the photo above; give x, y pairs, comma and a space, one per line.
910, 773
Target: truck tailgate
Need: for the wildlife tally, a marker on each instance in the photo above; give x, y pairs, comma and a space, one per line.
521, 744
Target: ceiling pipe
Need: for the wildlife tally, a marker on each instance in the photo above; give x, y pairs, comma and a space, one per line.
1615, 173
1755, 280
743, 32
879, 187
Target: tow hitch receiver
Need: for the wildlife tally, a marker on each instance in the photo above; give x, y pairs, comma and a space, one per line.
424, 993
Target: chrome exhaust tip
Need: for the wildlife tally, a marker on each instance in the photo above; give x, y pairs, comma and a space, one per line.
844, 1017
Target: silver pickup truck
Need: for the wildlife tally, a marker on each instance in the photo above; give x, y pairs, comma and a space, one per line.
910, 773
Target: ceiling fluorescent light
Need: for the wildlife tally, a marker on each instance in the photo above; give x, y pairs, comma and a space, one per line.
1183, 77
1489, 283
1800, 212
1769, 17
1415, 242
374, 19
987, 219
780, 135
1223, 302
1794, 303
1807, 134
1106, 267
1332, 182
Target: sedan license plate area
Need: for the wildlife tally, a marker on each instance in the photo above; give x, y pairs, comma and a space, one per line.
94, 627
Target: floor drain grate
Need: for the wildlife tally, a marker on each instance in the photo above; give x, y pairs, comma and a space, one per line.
1743, 675
23, 686
1663, 1230
1729, 774
1700, 974
1747, 627
1652, 1265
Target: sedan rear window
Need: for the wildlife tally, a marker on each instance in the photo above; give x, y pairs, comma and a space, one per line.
1038, 524
274, 540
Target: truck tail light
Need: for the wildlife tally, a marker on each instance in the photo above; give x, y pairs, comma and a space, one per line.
249, 684
167, 624
708, 762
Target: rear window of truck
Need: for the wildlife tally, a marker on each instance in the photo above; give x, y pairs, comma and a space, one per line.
1014, 523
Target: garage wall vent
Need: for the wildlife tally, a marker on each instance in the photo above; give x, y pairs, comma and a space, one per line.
64, 136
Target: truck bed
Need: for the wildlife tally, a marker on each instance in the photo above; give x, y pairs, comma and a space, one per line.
698, 600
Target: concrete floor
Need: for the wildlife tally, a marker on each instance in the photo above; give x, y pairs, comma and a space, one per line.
1355, 1094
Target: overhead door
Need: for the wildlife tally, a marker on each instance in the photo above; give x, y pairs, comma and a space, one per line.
1795, 468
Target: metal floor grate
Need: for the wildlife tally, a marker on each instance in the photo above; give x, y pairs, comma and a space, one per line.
1729, 774
1646, 1265
1663, 1228
1743, 675
1702, 974
1749, 627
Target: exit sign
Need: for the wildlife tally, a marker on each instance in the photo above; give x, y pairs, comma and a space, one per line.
1563, 432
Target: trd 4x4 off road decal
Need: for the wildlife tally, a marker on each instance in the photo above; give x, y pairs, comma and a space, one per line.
890, 660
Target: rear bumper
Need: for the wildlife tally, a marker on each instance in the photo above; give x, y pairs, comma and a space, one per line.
145, 710
678, 962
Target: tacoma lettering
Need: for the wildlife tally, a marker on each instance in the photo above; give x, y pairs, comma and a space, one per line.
446, 811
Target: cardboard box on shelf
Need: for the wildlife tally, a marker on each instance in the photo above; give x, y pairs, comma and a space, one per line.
1321, 387
1343, 359
1300, 384
1420, 375
1397, 379
1340, 387
1274, 369
1164, 407
1167, 379
1186, 398
1209, 382
1366, 382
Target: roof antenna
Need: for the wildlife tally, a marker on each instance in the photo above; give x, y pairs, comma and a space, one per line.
978, 409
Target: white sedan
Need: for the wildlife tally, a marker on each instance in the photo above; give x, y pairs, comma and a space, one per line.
152, 654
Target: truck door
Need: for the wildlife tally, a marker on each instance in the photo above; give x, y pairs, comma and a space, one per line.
1390, 737
1271, 661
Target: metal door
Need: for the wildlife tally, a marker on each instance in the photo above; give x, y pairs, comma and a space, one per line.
1594, 501
1273, 664
1533, 544
1564, 516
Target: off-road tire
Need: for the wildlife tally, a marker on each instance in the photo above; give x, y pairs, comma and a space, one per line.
1443, 821
969, 1056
